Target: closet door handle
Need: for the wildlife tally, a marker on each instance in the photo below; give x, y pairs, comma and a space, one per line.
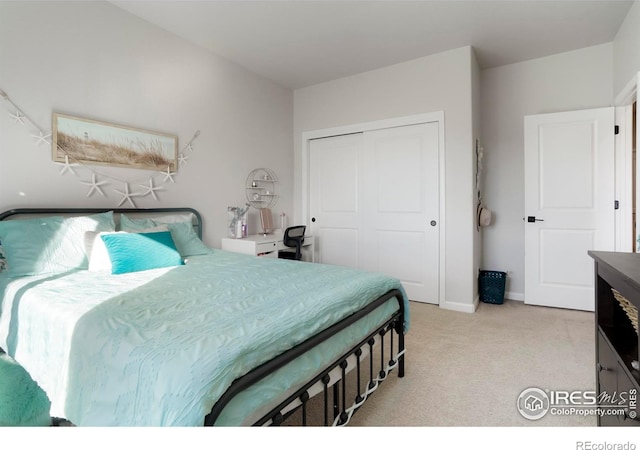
313, 219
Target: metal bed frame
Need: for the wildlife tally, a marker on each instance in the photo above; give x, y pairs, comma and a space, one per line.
338, 406
336, 410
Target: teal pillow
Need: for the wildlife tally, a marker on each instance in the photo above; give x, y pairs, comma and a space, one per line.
187, 241
134, 252
53, 244
22, 401
129, 224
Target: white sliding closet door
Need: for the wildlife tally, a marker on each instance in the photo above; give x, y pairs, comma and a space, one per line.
374, 204
334, 198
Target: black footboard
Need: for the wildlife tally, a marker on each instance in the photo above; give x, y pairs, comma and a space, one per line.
338, 407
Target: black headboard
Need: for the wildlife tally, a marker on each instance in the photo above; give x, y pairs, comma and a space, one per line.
133, 212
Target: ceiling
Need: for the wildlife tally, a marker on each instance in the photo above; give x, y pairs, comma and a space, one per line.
303, 42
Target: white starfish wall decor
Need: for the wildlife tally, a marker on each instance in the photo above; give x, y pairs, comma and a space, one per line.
40, 137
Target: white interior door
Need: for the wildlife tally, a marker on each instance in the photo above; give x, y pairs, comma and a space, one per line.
374, 204
569, 204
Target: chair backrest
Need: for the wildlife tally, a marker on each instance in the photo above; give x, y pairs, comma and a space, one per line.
294, 236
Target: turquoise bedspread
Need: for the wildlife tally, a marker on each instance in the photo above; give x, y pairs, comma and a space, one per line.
159, 347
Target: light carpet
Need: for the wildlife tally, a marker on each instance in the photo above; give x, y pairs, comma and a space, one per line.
467, 370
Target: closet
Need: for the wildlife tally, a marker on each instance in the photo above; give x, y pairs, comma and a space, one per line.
374, 203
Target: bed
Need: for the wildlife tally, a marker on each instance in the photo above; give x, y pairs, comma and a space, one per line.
126, 318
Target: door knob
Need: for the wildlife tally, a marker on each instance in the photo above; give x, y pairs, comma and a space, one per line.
532, 219
313, 219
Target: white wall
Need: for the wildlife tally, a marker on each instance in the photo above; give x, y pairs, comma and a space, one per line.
569, 81
477, 133
441, 82
627, 50
92, 59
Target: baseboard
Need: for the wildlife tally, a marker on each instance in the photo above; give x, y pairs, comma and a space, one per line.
461, 307
471, 308
517, 296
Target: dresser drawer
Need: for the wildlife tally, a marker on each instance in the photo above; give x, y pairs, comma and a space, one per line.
614, 381
607, 372
266, 247
607, 367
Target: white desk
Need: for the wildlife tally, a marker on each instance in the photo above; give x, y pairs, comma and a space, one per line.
268, 246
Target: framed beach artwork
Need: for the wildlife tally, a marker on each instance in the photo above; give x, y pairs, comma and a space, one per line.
91, 142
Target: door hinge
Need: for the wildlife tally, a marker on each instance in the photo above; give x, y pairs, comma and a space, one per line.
616, 205
616, 129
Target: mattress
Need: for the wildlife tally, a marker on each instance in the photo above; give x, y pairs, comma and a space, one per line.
159, 347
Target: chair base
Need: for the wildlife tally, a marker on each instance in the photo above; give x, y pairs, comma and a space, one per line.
283, 254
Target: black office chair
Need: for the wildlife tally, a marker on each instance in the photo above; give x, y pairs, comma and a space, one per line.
293, 237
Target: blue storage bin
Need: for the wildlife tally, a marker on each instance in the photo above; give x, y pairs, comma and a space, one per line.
491, 285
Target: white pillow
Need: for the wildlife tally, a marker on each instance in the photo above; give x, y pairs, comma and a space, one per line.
99, 260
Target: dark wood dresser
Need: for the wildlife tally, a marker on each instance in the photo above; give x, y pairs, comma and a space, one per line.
616, 338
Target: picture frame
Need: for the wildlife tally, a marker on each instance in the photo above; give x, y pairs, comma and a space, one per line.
88, 141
